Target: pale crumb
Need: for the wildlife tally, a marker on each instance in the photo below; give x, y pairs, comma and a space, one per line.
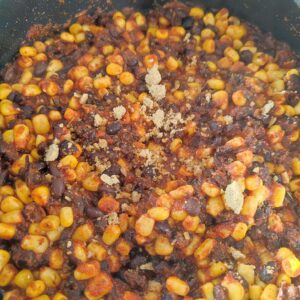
236, 254
272, 122
194, 60
113, 219
154, 286
147, 266
228, 119
99, 121
110, 180
48, 177
153, 76
157, 91
186, 235
102, 143
208, 97
187, 37
124, 207
52, 153
256, 170
84, 98
69, 244
148, 103
234, 197
119, 112
267, 108
158, 118
135, 196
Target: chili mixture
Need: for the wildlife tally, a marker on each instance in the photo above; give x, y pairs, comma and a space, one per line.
151, 156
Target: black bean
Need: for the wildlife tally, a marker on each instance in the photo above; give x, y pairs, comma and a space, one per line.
113, 128
193, 206
54, 170
93, 212
3, 176
10, 74
40, 68
188, 22
26, 111
246, 56
220, 292
58, 187
66, 148
16, 97
268, 272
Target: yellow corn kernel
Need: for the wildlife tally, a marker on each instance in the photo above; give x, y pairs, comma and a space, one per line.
278, 195
56, 259
159, 213
210, 189
6, 190
144, 225
253, 182
68, 161
55, 65
205, 249
11, 203
196, 12
163, 246
98, 251
215, 206
23, 278
49, 223
216, 84
217, 269
291, 266
126, 78
87, 270
114, 69
283, 278
28, 51
26, 77
41, 297
238, 98
5, 90
67, 37
20, 163
7, 108
35, 288
172, 64
236, 32
209, 46
50, 277
177, 286
35, 243
7, 231
91, 182
21, 135
261, 194
162, 34
234, 288
75, 28
270, 292
39, 46
8, 136
7, 274
296, 166
182, 192
209, 19
80, 37
98, 286
232, 54
83, 232
239, 231
12, 217
247, 272
4, 258
255, 292
295, 184
111, 234
41, 124
22, 191
278, 85
208, 290
66, 216
41, 195
60, 296
31, 90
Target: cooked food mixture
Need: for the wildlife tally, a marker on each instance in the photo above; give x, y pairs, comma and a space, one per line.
151, 156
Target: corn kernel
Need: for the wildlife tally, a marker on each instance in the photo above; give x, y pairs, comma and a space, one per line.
111, 234
209, 46
35, 288
270, 292
35, 243
50, 277
41, 195
5, 90
177, 286
7, 274
31, 90
28, 51
91, 182
7, 108
196, 12
98, 286
114, 69
60, 296
126, 78
23, 191
49, 223
41, 124
66, 216
144, 225
216, 84
87, 270
159, 213
163, 246
23, 278
67, 37
205, 249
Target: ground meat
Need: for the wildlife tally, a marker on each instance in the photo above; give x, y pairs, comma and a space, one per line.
220, 292
135, 279
33, 213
